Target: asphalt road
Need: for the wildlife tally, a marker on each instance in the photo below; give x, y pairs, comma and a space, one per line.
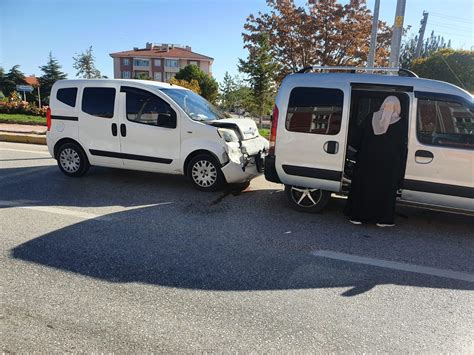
123, 261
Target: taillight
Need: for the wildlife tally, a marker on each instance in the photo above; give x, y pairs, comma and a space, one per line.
48, 118
273, 131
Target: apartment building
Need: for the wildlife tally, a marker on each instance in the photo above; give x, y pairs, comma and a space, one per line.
160, 62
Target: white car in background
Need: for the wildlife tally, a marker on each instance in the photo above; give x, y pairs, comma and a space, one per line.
150, 126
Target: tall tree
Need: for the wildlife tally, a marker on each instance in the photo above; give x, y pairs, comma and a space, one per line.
84, 63
51, 73
260, 68
431, 45
453, 66
227, 92
2, 79
321, 33
207, 84
11, 79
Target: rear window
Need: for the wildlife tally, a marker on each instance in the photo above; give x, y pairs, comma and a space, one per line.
67, 96
99, 102
315, 110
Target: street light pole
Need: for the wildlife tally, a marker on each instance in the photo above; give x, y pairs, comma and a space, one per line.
397, 34
373, 37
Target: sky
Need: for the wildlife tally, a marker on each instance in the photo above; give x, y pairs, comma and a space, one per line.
30, 29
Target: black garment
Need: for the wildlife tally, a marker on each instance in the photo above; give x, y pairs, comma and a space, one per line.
378, 173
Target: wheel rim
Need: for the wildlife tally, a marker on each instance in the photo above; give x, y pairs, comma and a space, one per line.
70, 160
204, 173
305, 197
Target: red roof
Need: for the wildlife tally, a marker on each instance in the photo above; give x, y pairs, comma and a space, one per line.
180, 53
32, 80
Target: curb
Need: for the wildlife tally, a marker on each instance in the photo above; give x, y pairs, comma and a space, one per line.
22, 138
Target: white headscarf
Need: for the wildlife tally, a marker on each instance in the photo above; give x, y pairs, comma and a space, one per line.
388, 114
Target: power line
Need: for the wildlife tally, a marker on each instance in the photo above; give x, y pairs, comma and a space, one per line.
451, 22
450, 27
436, 14
453, 34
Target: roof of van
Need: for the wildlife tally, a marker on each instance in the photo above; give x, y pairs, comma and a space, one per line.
418, 84
157, 84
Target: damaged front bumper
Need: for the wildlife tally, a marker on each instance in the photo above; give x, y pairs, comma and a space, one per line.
245, 159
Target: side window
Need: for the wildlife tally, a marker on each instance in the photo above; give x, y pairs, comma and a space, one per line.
99, 102
315, 110
443, 123
67, 96
144, 107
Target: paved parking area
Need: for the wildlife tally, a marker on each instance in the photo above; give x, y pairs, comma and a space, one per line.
123, 261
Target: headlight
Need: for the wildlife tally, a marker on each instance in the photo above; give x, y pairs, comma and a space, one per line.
228, 135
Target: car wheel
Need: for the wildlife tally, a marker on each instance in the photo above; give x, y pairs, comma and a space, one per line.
304, 199
72, 160
205, 173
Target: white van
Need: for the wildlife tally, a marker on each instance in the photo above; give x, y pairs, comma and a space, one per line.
315, 114
150, 126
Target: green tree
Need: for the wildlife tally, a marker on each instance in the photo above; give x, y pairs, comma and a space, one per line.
260, 69
452, 66
227, 92
2, 79
51, 73
207, 84
84, 63
10, 80
430, 45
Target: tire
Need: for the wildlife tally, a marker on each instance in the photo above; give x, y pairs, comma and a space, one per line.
205, 173
72, 160
307, 200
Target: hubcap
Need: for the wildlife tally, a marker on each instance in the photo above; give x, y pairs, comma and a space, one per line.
305, 197
70, 160
204, 173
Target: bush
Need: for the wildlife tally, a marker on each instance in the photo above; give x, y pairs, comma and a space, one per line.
22, 107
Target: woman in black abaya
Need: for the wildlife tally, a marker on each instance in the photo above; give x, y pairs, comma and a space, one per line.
381, 145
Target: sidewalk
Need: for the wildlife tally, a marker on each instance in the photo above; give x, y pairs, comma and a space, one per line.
11, 132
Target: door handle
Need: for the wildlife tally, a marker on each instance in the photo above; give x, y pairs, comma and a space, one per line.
123, 130
423, 156
331, 147
114, 129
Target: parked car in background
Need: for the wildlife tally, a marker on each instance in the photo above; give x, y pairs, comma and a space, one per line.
315, 114
150, 126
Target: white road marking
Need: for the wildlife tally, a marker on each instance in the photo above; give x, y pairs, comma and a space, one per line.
394, 265
25, 151
28, 205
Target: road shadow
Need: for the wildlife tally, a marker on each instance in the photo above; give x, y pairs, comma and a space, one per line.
100, 187
185, 246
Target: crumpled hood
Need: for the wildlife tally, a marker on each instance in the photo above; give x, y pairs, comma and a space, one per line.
245, 126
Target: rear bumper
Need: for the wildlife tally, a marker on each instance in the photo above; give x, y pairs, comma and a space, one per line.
270, 169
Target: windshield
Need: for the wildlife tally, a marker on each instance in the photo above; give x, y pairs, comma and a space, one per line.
195, 106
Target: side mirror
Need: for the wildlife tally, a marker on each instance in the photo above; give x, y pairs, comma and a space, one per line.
166, 120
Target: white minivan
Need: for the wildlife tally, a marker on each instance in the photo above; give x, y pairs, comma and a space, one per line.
315, 114
150, 126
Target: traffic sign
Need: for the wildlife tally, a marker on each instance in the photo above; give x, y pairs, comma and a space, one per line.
24, 88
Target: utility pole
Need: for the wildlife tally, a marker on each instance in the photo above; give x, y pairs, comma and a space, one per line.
422, 33
397, 34
373, 36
